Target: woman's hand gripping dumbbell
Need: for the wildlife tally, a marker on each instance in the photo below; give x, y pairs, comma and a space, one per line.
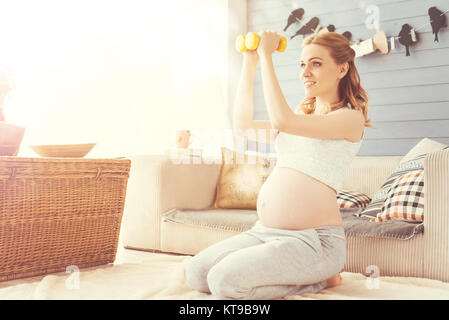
251, 42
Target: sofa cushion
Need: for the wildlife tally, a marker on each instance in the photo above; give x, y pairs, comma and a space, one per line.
227, 219
356, 225
352, 199
401, 193
240, 180
242, 220
424, 146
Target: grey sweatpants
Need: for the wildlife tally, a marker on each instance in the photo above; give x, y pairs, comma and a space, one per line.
268, 263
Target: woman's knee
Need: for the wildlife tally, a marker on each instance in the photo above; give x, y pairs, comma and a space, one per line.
196, 275
224, 284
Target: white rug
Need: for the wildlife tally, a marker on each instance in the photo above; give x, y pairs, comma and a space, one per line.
142, 275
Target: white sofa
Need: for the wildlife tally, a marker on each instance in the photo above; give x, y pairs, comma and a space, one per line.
157, 185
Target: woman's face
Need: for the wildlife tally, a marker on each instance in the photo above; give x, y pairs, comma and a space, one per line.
319, 72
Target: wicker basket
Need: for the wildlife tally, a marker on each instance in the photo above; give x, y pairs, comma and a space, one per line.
59, 212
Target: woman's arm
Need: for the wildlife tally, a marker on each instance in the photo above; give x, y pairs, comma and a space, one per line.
342, 124
277, 106
244, 99
244, 125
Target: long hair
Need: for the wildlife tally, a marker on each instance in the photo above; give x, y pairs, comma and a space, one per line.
349, 88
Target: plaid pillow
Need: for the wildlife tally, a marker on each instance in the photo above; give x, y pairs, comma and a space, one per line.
402, 194
405, 199
352, 199
374, 209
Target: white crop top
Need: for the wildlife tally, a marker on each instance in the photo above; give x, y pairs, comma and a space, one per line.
324, 160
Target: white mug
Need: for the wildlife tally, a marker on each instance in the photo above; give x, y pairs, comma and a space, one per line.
184, 138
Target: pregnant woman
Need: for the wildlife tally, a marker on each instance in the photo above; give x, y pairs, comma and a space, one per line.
298, 244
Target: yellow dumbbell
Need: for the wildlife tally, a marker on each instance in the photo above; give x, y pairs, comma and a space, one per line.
251, 42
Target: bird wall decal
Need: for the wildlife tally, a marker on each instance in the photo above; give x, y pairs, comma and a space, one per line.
330, 28
347, 35
437, 21
405, 37
308, 28
295, 16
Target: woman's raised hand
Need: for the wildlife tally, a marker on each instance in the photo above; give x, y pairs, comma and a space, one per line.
264, 42
269, 42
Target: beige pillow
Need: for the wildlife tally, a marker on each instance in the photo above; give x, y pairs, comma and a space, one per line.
240, 180
425, 146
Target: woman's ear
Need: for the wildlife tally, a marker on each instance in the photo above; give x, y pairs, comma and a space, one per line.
343, 70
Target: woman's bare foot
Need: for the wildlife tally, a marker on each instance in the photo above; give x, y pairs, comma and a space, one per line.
334, 281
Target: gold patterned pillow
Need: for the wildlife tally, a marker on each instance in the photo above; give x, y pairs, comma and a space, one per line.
241, 177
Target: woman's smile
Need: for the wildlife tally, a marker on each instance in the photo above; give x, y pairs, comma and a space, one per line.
308, 84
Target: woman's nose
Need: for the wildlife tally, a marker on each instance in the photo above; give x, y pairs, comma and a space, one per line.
306, 73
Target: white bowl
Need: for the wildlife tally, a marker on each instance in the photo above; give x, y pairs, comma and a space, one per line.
63, 150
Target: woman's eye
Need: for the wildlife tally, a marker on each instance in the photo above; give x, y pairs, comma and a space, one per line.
315, 64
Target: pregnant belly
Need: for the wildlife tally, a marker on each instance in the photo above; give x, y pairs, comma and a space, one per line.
290, 199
